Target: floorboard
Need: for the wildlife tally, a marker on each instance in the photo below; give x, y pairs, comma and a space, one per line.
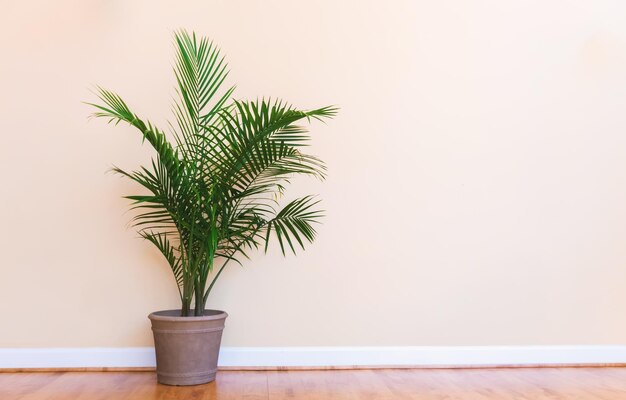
379, 384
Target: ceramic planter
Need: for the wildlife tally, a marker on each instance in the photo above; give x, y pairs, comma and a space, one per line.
187, 348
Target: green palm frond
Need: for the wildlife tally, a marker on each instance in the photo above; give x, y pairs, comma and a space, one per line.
162, 242
294, 223
210, 192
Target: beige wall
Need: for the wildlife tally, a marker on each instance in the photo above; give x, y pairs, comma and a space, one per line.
477, 189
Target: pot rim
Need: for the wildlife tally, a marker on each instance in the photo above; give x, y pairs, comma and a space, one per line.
174, 316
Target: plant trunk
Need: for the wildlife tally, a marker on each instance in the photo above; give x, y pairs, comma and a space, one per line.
199, 311
184, 311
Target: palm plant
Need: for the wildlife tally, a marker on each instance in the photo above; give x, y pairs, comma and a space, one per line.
212, 191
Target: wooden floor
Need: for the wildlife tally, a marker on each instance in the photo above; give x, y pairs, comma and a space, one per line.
384, 384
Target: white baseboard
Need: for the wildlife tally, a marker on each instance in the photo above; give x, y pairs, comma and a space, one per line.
78, 357
427, 356
420, 356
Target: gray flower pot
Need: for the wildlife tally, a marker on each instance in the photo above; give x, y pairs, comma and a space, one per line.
187, 348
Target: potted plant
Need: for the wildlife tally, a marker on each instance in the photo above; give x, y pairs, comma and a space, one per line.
211, 195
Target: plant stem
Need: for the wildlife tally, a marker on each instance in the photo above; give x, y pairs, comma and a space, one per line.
199, 291
206, 295
184, 311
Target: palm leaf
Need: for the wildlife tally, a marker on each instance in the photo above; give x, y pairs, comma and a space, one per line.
294, 223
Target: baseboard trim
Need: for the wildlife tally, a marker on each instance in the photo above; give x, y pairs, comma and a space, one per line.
277, 358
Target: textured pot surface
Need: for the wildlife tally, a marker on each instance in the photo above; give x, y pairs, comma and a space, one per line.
187, 348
